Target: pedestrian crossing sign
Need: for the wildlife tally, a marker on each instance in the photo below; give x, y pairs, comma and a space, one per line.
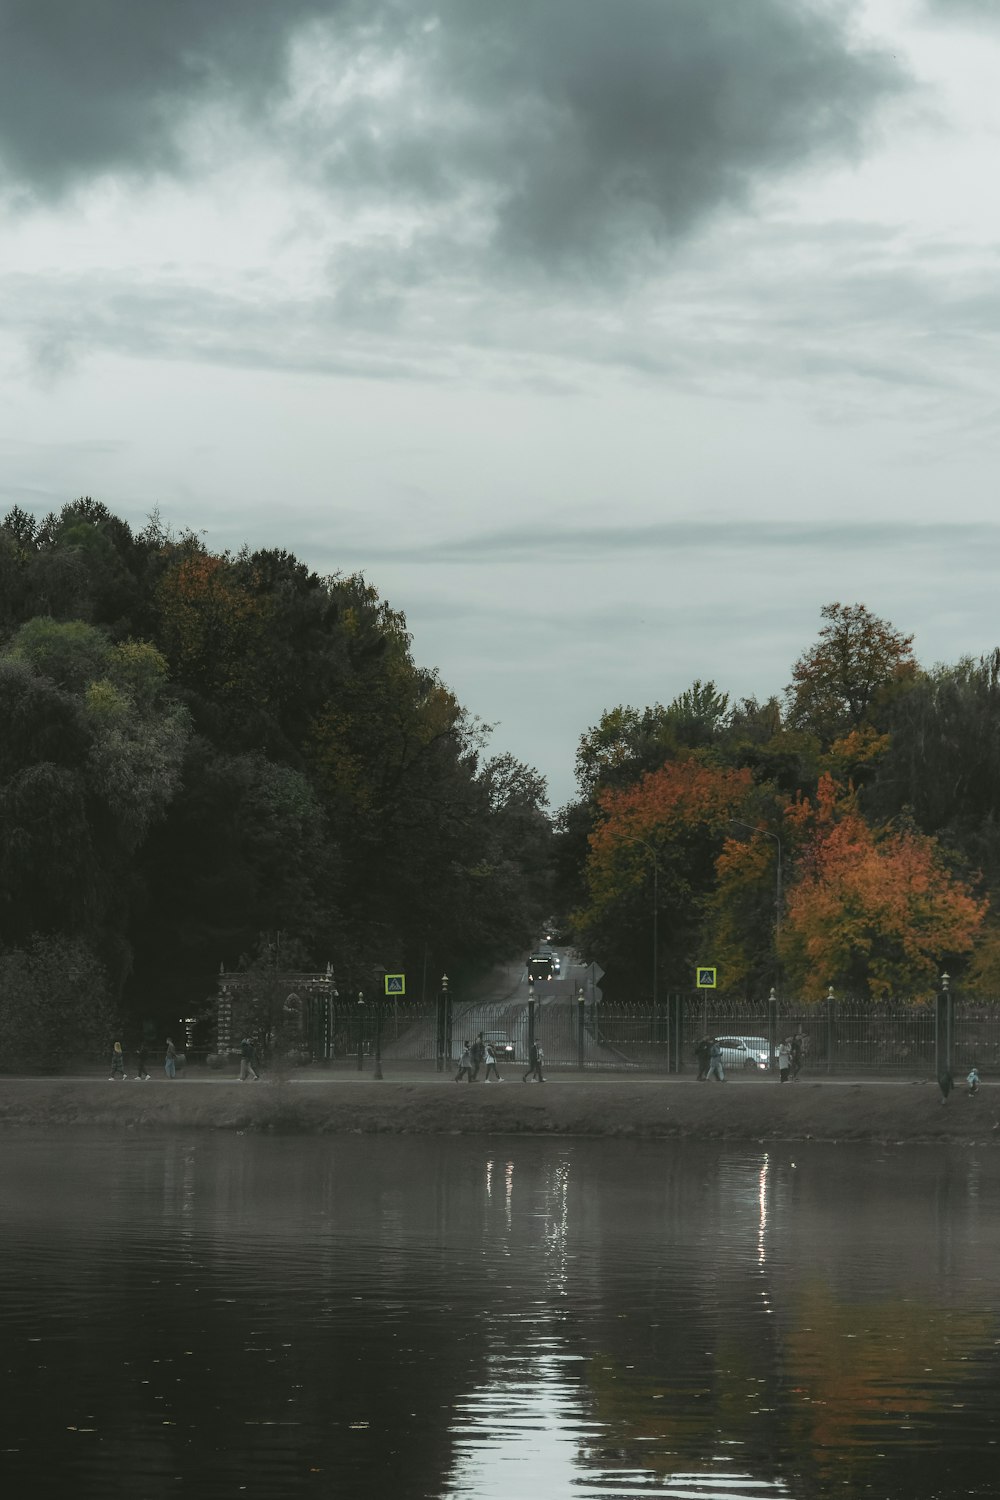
705, 978
395, 984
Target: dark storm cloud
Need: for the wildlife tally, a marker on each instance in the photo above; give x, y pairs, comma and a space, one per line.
569, 131
594, 126
102, 85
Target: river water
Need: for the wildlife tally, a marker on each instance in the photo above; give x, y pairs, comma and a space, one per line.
211, 1315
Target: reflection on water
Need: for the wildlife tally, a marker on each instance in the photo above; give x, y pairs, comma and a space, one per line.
223, 1316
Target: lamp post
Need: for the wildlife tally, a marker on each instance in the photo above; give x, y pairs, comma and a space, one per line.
378, 1037
580, 1002
948, 1010
361, 1031
446, 1007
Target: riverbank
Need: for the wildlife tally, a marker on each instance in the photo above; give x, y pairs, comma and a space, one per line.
580, 1105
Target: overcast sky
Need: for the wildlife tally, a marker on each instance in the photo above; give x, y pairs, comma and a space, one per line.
611, 339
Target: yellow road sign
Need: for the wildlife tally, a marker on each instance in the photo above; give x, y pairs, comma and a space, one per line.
705, 977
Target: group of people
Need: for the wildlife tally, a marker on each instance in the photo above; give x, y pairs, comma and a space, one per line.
118, 1072
791, 1055
479, 1056
141, 1073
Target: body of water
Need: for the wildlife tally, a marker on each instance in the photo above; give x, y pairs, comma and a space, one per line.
218, 1316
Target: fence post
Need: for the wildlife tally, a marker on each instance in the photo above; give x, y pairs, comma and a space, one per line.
830, 1008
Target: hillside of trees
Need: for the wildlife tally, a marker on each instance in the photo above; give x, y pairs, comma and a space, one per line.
844, 833
207, 756
208, 760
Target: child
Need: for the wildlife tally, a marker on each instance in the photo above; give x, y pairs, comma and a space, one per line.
489, 1058
973, 1081
117, 1064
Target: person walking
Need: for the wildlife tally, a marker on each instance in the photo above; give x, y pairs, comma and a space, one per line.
170, 1061
141, 1071
972, 1079
702, 1050
478, 1055
534, 1070
247, 1062
785, 1058
800, 1046
465, 1064
490, 1062
117, 1064
715, 1069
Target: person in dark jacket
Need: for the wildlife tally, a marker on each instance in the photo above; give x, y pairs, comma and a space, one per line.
534, 1070
701, 1052
248, 1062
464, 1065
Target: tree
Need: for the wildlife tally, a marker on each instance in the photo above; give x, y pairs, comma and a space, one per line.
54, 1005
677, 816
872, 909
849, 676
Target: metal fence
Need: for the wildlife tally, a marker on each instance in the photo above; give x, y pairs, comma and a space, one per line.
842, 1036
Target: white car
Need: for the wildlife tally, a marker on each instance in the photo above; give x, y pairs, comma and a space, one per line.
750, 1052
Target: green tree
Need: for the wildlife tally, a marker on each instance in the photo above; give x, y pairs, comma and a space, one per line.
850, 675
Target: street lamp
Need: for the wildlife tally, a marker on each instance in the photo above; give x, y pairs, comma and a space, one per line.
580, 1002
446, 1007
378, 1037
947, 1006
753, 828
361, 1031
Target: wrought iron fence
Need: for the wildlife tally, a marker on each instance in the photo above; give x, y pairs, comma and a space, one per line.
838, 1036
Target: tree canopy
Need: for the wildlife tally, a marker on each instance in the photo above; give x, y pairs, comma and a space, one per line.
203, 750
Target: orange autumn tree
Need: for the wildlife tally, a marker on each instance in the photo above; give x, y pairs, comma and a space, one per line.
677, 817
872, 909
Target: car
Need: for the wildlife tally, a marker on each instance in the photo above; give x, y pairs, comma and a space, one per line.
556, 963
503, 1048
749, 1052
539, 967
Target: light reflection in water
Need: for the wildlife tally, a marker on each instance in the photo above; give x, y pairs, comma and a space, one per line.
535, 1319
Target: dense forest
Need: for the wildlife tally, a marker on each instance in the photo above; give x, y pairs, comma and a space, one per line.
208, 757
209, 760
